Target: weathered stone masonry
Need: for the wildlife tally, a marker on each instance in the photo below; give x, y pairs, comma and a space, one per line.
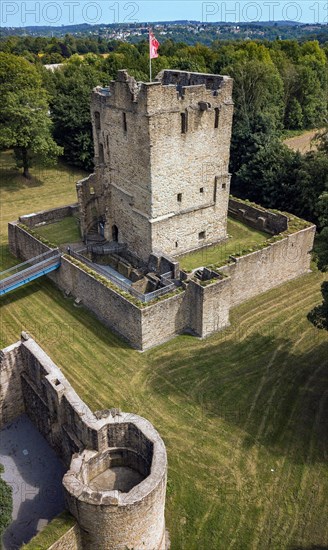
200, 310
94, 447
161, 187
161, 153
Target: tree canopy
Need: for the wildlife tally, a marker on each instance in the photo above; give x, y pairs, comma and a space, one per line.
25, 124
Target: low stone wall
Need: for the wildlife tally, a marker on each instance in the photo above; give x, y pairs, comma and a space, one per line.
257, 217
49, 216
69, 541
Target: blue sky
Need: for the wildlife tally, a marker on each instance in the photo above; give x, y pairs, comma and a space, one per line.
64, 12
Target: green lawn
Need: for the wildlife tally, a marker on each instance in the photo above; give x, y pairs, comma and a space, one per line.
62, 232
240, 236
51, 533
243, 414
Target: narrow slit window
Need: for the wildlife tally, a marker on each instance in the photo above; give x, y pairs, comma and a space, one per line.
179, 197
201, 190
215, 188
217, 113
101, 154
97, 120
202, 235
176, 244
125, 127
184, 123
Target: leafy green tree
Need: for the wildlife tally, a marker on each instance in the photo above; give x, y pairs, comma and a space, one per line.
70, 89
319, 315
294, 115
25, 124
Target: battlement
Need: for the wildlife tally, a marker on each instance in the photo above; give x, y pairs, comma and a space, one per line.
169, 89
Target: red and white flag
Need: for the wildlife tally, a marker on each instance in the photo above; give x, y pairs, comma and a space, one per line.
153, 46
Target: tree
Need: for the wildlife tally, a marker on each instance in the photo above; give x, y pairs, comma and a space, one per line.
319, 315
25, 124
6, 506
70, 88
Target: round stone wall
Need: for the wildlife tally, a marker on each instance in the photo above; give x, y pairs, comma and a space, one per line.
118, 494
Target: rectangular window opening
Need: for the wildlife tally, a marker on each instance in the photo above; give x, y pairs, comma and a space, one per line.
184, 123
201, 190
202, 235
216, 121
224, 185
179, 197
125, 127
92, 190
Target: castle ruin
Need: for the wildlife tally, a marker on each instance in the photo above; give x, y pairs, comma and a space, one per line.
117, 466
161, 182
161, 189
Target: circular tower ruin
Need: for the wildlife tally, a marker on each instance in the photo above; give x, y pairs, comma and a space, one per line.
117, 494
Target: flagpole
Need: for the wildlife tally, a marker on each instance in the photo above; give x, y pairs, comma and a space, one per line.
149, 55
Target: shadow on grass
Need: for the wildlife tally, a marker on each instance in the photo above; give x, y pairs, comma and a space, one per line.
86, 322
12, 180
278, 398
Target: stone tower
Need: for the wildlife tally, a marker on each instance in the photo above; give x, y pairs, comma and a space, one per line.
161, 182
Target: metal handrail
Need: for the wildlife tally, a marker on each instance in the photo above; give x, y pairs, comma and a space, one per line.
25, 273
29, 263
145, 298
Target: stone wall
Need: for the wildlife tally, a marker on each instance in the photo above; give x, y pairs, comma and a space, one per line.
255, 273
22, 244
69, 541
165, 182
11, 396
110, 307
49, 216
257, 217
260, 271
53, 406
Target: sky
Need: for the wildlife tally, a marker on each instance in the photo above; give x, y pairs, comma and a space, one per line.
19, 13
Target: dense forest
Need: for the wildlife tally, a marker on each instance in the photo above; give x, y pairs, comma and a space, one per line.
279, 86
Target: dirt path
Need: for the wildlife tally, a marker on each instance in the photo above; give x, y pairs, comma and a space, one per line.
302, 143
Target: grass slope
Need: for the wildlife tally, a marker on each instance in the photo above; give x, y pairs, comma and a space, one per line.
243, 413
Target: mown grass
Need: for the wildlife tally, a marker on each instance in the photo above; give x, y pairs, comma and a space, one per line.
49, 187
62, 232
240, 237
51, 533
243, 414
